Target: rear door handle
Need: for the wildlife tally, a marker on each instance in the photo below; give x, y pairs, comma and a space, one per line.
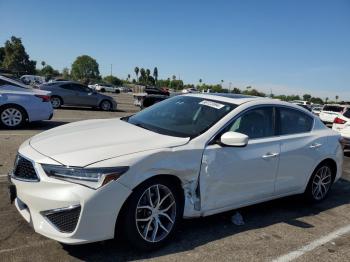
315, 145
269, 155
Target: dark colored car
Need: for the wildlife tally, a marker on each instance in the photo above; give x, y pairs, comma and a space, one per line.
152, 90
75, 94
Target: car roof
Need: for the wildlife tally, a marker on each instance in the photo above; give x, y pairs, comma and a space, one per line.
228, 98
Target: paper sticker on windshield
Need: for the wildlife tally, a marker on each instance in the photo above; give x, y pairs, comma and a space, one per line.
211, 104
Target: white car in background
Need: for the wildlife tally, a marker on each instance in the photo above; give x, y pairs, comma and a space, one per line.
341, 124
188, 156
32, 79
107, 88
190, 91
331, 111
20, 103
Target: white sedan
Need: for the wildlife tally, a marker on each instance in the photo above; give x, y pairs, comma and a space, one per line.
341, 124
20, 103
188, 156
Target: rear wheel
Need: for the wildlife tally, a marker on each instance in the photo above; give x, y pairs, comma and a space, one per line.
106, 105
12, 116
320, 183
56, 102
152, 214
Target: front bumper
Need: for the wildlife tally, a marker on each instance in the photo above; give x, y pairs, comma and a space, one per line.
97, 214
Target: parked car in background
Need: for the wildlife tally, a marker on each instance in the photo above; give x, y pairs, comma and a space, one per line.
74, 94
300, 102
307, 107
316, 110
32, 79
188, 156
20, 104
153, 90
107, 88
341, 124
331, 111
190, 90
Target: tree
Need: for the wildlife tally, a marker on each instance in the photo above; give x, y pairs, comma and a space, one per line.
113, 80
43, 63
48, 72
65, 73
155, 74
200, 81
142, 78
307, 97
2, 55
137, 70
236, 90
16, 59
326, 99
128, 77
148, 73
174, 77
336, 98
85, 69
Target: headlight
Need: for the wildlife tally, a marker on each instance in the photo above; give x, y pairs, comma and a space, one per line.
91, 177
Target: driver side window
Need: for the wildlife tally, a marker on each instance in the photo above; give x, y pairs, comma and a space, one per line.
256, 123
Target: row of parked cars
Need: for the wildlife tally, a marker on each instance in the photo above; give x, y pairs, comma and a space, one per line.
21, 103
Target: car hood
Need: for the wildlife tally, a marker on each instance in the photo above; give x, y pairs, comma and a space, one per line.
86, 142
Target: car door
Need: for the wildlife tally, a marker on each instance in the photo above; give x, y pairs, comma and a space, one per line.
84, 96
67, 92
301, 148
235, 176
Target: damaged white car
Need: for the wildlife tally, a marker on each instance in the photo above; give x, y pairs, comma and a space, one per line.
188, 156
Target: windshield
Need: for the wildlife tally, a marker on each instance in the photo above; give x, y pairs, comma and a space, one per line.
182, 116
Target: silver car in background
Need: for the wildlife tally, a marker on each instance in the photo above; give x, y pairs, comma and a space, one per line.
75, 94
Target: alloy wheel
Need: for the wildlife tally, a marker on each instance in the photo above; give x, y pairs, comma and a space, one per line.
321, 183
155, 213
56, 102
106, 106
11, 117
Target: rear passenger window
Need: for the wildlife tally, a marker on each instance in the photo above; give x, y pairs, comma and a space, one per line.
347, 113
293, 121
256, 123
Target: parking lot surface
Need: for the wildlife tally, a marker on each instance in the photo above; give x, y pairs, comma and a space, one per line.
281, 230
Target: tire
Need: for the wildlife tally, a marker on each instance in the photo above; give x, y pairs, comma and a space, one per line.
106, 105
320, 183
145, 227
56, 102
12, 116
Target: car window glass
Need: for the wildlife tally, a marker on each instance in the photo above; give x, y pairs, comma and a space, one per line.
337, 109
81, 88
347, 113
67, 86
293, 121
5, 83
256, 123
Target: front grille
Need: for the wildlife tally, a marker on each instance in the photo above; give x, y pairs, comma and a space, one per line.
65, 219
24, 169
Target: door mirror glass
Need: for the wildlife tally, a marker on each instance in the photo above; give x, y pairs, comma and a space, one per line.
234, 139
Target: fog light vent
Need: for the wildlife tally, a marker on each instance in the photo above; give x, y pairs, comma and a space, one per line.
63, 219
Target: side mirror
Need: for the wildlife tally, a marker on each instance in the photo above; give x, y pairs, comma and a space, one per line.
234, 139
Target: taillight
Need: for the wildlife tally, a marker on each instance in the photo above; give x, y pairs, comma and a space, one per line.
338, 120
44, 98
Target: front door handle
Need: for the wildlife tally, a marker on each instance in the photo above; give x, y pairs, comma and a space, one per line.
315, 145
269, 155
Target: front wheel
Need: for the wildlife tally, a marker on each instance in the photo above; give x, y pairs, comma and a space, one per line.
320, 183
152, 214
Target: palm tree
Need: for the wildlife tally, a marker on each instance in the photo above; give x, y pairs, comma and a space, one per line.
336, 98
155, 74
327, 99
137, 70
128, 77
174, 77
222, 82
142, 75
43, 63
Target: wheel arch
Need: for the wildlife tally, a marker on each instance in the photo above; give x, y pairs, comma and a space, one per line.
177, 182
60, 97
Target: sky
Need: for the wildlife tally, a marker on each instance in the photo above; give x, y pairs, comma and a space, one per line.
287, 47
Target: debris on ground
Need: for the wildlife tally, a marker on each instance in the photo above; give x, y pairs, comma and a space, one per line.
237, 219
